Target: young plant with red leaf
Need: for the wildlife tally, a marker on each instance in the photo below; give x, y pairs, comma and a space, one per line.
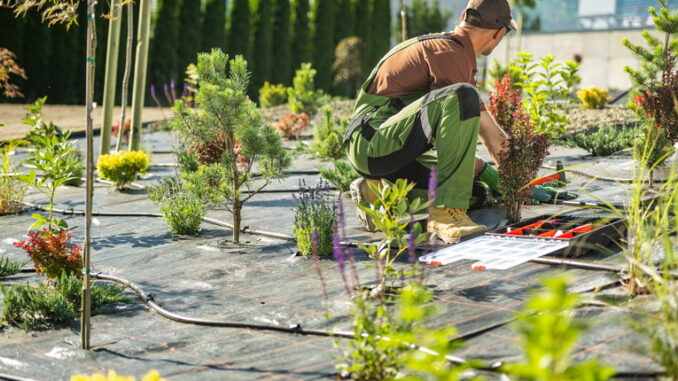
52, 253
292, 125
525, 148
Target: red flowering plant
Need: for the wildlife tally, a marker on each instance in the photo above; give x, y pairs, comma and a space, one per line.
52, 253
505, 102
660, 101
524, 152
292, 125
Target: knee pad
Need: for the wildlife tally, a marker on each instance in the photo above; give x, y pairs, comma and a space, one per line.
469, 101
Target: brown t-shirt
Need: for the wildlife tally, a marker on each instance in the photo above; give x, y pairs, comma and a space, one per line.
426, 66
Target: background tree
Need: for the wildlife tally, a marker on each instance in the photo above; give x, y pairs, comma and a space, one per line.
300, 34
282, 71
214, 25
343, 20
190, 35
362, 28
164, 59
380, 32
9, 71
263, 44
347, 66
323, 42
239, 29
424, 17
34, 56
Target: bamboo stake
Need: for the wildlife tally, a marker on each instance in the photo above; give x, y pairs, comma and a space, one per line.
112, 53
403, 21
125, 78
89, 96
140, 74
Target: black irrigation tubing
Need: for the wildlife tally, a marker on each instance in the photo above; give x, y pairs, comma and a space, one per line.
8, 377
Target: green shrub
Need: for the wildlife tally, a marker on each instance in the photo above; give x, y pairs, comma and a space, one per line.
315, 212
327, 137
187, 161
9, 267
183, 210
302, 95
123, 167
549, 334
52, 252
593, 98
30, 308
604, 142
341, 175
74, 166
272, 95
11, 188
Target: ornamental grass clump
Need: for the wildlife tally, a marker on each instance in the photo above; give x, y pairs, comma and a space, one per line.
293, 125
523, 155
9, 267
52, 253
227, 133
123, 167
593, 98
315, 212
182, 210
42, 306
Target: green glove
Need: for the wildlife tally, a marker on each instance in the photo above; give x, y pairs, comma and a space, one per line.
490, 176
548, 194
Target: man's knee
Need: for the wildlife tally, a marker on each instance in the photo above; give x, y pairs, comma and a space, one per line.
469, 101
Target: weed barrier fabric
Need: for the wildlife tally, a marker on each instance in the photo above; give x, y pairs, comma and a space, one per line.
262, 281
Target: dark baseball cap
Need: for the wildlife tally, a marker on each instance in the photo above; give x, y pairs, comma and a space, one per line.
489, 14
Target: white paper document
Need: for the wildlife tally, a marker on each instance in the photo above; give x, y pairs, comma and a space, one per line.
493, 253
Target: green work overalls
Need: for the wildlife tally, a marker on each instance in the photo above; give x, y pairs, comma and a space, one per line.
392, 138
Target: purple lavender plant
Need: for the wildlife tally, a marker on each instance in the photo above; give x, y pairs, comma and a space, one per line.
340, 257
341, 221
315, 211
168, 97
173, 93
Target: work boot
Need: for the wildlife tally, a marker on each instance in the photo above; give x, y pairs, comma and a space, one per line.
362, 193
452, 224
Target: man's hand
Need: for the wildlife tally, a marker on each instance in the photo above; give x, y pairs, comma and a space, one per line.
548, 194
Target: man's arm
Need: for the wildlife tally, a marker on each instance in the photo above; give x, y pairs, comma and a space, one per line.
493, 137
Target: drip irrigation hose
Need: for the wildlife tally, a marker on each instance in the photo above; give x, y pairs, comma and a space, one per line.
8, 377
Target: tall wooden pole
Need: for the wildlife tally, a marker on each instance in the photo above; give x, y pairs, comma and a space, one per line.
112, 52
125, 78
86, 306
140, 65
403, 21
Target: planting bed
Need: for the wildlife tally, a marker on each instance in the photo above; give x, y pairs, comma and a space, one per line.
262, 281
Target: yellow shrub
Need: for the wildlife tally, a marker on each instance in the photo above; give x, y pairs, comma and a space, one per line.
122, 167
593, 97
112, 376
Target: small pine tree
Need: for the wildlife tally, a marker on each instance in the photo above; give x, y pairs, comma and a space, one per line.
227, 126
239, 28
301, 43
163, 66
214, 25
653, 58
263, 43
190, 19
281, 42
323, 42
302, 96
